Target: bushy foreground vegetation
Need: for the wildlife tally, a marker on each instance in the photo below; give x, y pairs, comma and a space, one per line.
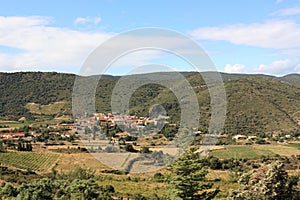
77, 184
268, 182
185, 179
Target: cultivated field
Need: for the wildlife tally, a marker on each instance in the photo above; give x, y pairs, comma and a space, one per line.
36, 161
255, 151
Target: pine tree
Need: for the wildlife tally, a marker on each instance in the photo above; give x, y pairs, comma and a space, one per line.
188, 177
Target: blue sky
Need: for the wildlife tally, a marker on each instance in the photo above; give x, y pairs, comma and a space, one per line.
254, 36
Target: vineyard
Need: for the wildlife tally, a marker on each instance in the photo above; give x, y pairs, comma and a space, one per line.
36, 161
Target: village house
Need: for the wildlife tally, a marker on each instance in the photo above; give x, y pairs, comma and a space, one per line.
252, 138
239, 137
53, 133
68, 126
18, 135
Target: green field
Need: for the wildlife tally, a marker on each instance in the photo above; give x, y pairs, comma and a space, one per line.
13, 124
256, 151
294, 145
29, 160
247, 152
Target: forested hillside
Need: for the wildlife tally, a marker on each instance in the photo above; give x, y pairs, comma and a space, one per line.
255, 103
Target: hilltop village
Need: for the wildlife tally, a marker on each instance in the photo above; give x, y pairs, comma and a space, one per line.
99, 126
116, 129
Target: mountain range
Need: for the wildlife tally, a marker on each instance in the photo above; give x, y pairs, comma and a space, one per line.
256, 103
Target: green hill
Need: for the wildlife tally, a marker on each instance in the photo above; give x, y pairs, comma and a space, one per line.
255, 103
292, 79
18, 89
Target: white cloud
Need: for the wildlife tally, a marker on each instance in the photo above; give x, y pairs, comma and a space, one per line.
279, 67
142, 48
288, 11
282, 34
41, 46
80, 20
84, 20
279, 1
236, 68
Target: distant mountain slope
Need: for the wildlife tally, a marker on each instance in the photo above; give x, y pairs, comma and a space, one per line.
255, 103
230, 77
262, 105
292, 79
18, 89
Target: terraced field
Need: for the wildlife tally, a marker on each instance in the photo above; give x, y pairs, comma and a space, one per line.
35, 161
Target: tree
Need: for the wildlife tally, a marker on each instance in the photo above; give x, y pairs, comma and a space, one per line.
28, 146
80, 173
84, 189
87, 130
187, 177
130, 148
19, 147
39, 189
1, 146
8, 191
145, 150
269, 182
24, 146
214, 163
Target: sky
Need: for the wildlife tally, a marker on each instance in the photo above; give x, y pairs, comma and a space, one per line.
253, 36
